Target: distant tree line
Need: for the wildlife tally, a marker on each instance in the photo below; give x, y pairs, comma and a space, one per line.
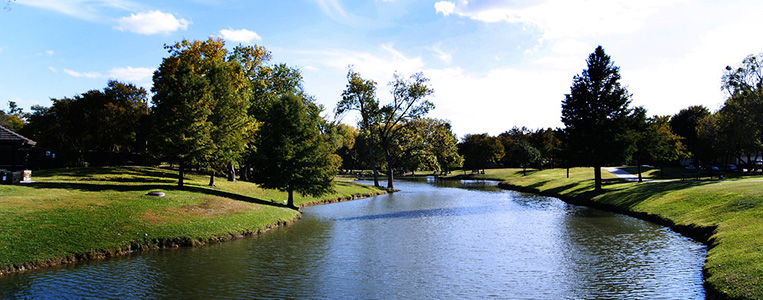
601, 128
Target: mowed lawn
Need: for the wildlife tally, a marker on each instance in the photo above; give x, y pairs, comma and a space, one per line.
733, 207
83, 213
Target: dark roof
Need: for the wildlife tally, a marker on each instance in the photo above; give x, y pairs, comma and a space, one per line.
8, 137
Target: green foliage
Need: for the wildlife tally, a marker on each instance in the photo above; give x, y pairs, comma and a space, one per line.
291, 154
524, 154
597, 117
480, 151
685, 124
360, 96
14, 119
107, 121
201, 103
408, 103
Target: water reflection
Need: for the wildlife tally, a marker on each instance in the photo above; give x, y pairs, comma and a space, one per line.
431, 240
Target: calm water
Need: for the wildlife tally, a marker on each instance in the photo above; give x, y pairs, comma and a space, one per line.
431, 241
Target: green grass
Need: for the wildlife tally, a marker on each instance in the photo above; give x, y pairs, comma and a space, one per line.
732, 207
71, 214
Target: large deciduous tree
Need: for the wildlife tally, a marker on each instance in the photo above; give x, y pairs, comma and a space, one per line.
360, 96
596, 116
408, 103
291, 154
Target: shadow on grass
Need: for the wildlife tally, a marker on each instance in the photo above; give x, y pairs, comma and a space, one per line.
630, 196
93, 173
92, 187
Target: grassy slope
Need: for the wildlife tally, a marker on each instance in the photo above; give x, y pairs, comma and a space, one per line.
72, 214
733, 207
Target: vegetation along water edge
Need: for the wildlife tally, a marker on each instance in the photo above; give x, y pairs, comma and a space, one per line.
727, 215
70, 215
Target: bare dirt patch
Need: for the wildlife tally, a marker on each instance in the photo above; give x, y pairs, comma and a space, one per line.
211, 207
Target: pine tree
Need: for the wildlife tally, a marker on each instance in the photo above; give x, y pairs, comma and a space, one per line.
597, 116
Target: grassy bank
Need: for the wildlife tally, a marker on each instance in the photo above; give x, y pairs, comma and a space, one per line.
729, 212
74, 214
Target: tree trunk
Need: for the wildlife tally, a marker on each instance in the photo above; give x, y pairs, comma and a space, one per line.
373, 161
232, 172
390, 169
244, 173
568, 172
638, 166
212, 179
290, 201
597, 178
182, 174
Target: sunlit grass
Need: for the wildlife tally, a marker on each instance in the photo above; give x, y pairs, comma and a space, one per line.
734, 207
68, 213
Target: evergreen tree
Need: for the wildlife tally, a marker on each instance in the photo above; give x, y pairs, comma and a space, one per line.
291, 154
596, 116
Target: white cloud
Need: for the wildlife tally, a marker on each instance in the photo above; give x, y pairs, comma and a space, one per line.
83, 74
52, 69
445, 7
499, 99
141, 76
562, 18
133, 75
152, 22
240, 35
49, 52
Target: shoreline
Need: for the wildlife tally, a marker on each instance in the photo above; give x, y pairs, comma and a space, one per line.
172, 242
701, 234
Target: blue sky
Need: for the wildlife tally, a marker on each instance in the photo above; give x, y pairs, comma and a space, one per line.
493, 64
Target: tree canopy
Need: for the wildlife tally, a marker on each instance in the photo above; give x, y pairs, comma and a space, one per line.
200, 105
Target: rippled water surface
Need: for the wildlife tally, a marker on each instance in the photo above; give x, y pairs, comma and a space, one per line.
452, 240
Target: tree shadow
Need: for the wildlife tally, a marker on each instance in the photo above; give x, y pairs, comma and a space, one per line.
631, 196
93, 187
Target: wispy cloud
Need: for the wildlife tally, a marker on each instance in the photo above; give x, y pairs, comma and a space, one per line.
127, 74
332, 8
240, 35
442, 55
83, 74
152, 22
561, 18
90, 10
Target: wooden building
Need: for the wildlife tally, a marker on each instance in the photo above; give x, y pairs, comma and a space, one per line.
13, 150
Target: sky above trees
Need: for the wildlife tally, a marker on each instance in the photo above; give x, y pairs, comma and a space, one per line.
493, 64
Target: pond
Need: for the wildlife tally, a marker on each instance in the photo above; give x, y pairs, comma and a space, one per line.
451, 239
